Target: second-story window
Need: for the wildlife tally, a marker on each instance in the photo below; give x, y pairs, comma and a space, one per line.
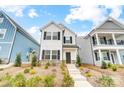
1, 20
2, 33
68, 39
56, 35
47, 35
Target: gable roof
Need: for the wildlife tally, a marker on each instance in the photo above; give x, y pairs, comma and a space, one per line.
60, 25
108, 19
21, 30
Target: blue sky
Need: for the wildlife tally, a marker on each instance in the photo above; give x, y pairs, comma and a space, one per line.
80, 19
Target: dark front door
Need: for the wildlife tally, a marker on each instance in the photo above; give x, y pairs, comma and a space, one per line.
68, 57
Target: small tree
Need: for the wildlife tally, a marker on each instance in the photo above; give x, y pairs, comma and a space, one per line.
78, 60
33, 59
104, 65
18, 61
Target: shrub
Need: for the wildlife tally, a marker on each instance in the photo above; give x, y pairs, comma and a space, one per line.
18, 60
89, 74
49, 81
81, 68
46, 66
7, 77
27, 70
1, 61
62, 66
104, 65
67, 81
48, 63
106, 81
53, 64
32, 71
114, 67
1, 69
33, 59
78, 60
109, 65
18, 81
33, 82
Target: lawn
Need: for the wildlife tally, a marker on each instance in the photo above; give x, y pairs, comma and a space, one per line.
56, 71
95, 73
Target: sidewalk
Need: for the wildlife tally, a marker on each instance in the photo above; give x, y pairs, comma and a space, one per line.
80, 80
2, 66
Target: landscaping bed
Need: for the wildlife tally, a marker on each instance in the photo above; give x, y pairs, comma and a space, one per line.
103, 77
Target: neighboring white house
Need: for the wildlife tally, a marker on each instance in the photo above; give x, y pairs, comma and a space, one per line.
58, 43
104, 43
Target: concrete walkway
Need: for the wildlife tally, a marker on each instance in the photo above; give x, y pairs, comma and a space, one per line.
2, 66
80, 80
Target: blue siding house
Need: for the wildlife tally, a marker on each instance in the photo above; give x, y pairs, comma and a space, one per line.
14, 39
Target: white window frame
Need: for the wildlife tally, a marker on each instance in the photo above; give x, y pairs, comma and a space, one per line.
67, 41
1, 20
4, 33
55, 34
55, 53
48, 34
46, 54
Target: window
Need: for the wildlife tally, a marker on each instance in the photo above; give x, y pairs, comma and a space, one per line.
106, 56
55, 35
54, 54
68, 39
47, 35
2, 33
46, 54
96, 56
1, 20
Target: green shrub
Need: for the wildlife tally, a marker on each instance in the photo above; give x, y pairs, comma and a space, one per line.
67, 81
53, 64
62, 66
109, 65
78, 60
114, 67
1, 69
89, 74
18, 81
46, 67
18, 60
33, 59
33, 82
49, 81
81, 68
27, 70
104, 65
7, 77
106, 81
48, 63
1, 61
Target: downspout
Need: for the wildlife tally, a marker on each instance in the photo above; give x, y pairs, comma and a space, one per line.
62, 42
12, 45
40, 46
92, 51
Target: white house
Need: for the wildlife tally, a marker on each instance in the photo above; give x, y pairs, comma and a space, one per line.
104, 43
58, 43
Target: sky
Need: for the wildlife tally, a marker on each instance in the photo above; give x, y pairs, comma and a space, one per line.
79, 18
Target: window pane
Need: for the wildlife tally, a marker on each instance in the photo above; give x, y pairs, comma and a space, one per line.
48, 36
67, 40
54, 54
55, 35
1, 20
47, 54
2, 33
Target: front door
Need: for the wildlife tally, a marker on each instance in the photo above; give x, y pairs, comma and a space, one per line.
68, 57
113, 58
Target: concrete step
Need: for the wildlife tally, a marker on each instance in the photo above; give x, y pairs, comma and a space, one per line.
82, 84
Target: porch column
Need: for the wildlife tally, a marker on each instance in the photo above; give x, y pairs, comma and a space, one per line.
100, 55
113, 36
110, 56
118, 56
97, 39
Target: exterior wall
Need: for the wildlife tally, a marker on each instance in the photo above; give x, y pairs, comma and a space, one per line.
122, 56
22, 45
85, 51
5, 43
51, 44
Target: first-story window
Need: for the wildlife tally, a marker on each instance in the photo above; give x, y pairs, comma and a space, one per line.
46, 54
106, 56
54, 54
2, 33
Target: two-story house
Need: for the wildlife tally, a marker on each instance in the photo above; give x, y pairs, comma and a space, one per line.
58, 43
104, 43
14, 39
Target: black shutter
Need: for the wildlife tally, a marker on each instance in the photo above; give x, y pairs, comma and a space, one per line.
108, 56
96, 56
43, 54
58, 54
70, 39
105, 40
44, 35
64, 39
58, 35
93, 40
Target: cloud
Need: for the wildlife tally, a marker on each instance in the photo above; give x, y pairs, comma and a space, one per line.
32, 13
33, 29
15, 9
95, 14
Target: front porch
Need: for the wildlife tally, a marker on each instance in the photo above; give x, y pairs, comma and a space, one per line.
110, 55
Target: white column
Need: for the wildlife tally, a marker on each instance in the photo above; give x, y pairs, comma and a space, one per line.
100, 55
97, 39
113, 36
118, 56
110, 56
